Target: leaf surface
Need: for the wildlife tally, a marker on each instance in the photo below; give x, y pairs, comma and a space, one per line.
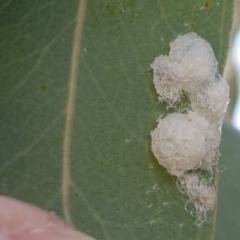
117, 190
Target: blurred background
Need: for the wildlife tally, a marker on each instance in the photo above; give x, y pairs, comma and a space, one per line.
232, 70
228, 215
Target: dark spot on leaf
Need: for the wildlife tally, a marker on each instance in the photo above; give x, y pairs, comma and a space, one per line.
43, 88
206, 4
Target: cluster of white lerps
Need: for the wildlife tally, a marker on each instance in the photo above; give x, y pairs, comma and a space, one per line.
187, 142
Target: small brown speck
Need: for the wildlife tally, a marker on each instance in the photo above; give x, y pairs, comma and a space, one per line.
206, 4
43, 88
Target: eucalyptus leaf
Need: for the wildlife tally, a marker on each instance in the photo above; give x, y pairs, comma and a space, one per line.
117, 190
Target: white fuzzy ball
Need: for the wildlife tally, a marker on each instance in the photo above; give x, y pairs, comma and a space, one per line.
167, 88
194, 59
191, 62
179, 140
207, 197
211, 99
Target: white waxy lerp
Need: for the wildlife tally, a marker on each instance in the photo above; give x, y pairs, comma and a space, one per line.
187, 143
178, 141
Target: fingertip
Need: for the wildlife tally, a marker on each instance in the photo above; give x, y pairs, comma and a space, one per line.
23, 221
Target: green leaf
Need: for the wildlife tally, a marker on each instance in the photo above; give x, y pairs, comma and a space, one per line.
117, 190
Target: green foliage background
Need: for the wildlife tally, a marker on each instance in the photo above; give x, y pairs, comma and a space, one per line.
118, 190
